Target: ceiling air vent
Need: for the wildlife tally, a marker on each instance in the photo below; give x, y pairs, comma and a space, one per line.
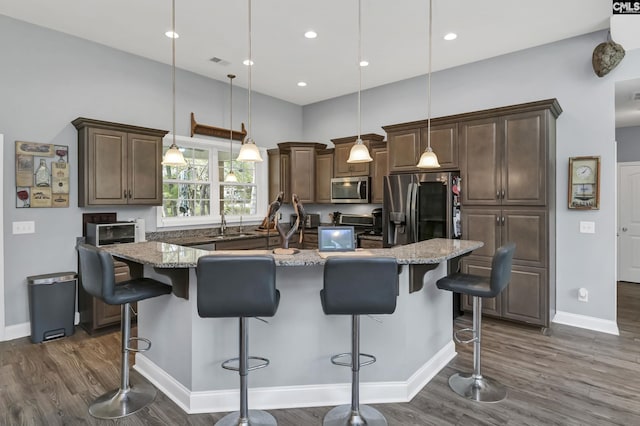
635, 96
219, 61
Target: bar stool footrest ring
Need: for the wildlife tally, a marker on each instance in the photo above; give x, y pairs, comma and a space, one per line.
336, 359
465, 341
138, 339
227, 364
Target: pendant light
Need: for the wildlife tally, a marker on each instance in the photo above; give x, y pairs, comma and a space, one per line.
249, 151
231, 177
428, 159
173, 156
359, 152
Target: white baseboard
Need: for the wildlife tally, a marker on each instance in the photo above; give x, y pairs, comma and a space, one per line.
24, 329
17, 331
583, 321
293, 396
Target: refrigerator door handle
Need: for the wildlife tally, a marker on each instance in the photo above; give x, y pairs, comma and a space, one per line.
414, 213
408, 212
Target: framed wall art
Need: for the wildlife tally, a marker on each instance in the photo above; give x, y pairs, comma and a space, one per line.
42, 175
584, 183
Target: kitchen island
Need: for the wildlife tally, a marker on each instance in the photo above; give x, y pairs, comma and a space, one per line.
412, 345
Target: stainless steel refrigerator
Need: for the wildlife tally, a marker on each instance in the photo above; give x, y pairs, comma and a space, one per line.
420, 206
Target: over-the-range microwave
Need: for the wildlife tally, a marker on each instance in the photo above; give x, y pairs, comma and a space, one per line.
351, 190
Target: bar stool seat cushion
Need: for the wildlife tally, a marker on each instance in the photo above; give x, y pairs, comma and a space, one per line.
237, 286
476, 285
98, 279
359, 286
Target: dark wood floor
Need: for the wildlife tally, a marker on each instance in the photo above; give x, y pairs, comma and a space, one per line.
571, 377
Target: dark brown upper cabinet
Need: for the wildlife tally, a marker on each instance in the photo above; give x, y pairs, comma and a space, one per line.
118, 164
324, 173
292, 170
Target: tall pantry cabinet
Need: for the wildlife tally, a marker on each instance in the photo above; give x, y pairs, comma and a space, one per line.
507, 165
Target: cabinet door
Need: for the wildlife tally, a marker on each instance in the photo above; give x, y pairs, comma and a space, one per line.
527, 228
107, 167
343, 169
324, 173
378, 172
275, 174
404, 150
444, 142
145, 170
492, 306
480, 163
285, 182
525, 159
525, 298
482, 224
303, 171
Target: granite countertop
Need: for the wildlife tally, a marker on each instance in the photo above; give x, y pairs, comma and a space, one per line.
165, 255
206, 239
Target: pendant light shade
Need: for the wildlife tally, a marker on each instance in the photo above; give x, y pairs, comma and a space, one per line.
231, 177
249, 151
359, 152
428, 159
173, 156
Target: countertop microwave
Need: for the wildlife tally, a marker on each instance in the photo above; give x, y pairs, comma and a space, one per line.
351, 190
102, 234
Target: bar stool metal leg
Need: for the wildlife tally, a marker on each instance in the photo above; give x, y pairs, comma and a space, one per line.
245, 417
127, 399
475, 386
356, 414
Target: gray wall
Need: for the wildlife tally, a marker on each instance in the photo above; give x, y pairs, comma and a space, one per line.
560, 70
48, 80
628, 139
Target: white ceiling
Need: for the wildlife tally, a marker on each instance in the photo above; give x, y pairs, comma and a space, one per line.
394, 35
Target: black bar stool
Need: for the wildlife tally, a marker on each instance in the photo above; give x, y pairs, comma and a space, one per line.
244, 287
475, 386
358, 286
98, 279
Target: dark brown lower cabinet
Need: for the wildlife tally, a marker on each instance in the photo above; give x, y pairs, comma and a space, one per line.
526, 298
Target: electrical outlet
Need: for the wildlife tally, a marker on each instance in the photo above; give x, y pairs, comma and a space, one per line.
587, 227
583, 295
24, 227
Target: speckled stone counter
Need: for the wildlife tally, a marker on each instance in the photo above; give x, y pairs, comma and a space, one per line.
411, 346
165, 255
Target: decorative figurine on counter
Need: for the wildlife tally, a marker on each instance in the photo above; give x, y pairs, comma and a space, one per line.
284, 237
271, 219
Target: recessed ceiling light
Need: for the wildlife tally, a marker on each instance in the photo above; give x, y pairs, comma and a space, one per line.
302, 84
171, 34
247, 62
311, 34
450, 36
364, 63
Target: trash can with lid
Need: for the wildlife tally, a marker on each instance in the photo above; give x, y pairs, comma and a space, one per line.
52, 308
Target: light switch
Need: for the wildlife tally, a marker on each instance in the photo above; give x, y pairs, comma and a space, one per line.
24, 227
587, 227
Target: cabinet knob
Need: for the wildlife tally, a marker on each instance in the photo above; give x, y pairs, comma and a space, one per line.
624, 229
124, 194
503, 220
129, 193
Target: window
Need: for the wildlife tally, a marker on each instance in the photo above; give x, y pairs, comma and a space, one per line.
196, 194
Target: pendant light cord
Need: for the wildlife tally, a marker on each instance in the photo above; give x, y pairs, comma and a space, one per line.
231, 77
359, 67
429, 80
249, 65
173, 66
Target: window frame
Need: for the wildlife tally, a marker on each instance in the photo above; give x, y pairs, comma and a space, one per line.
215, 145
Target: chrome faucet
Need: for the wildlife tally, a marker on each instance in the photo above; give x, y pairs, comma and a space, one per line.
223, 223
